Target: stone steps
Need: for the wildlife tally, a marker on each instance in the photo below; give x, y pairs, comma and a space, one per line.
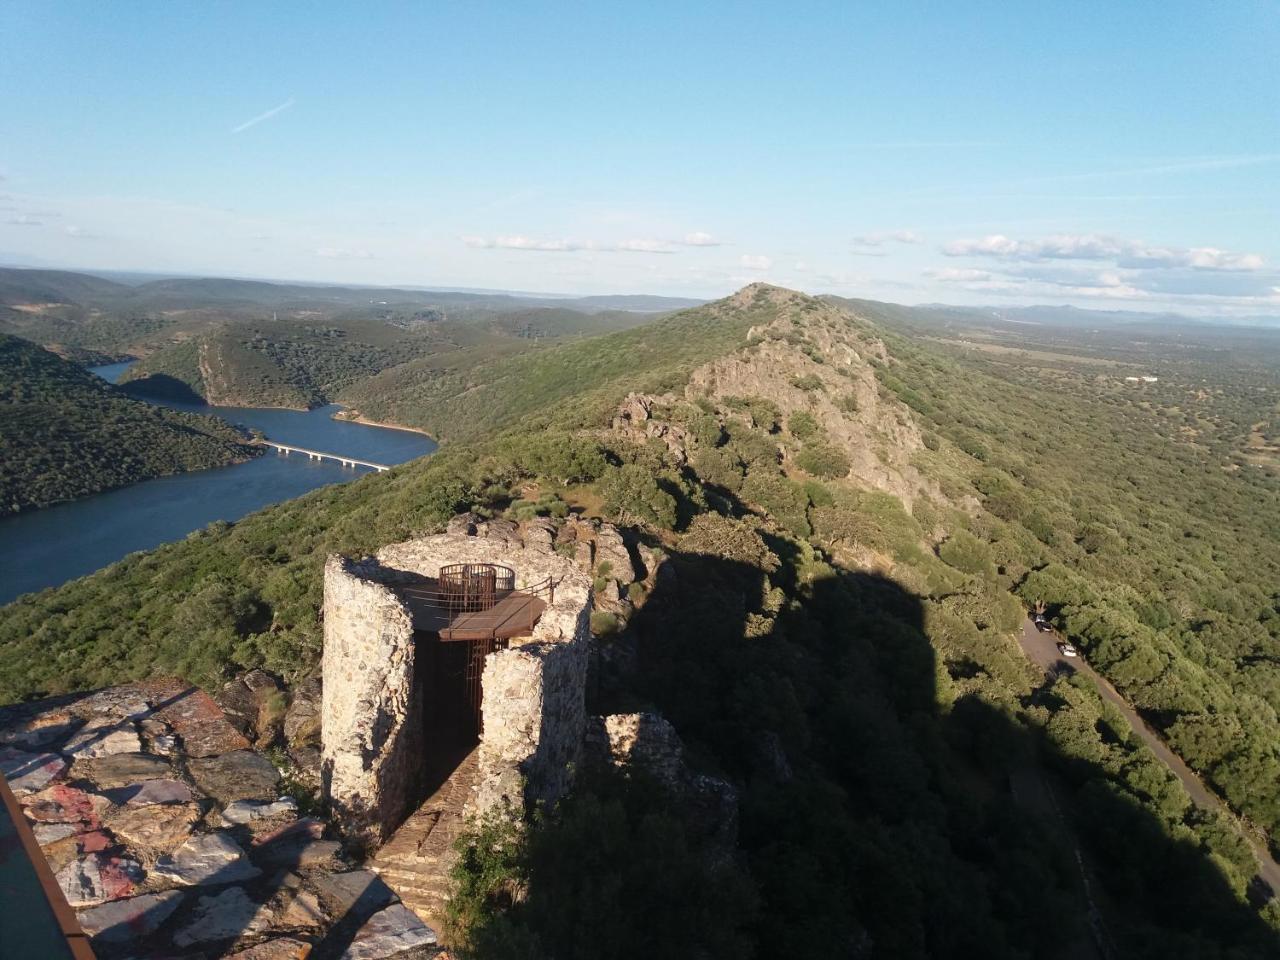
416, 861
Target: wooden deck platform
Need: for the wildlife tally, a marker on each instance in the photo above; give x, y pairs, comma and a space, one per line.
512, 616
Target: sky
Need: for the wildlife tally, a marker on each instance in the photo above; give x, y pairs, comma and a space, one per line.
1111, 155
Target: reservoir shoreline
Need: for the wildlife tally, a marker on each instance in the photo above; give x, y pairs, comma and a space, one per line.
51, 545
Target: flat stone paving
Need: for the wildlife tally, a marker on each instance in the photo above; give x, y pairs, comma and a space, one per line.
169, 836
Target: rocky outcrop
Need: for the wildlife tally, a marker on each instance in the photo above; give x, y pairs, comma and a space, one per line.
647, 744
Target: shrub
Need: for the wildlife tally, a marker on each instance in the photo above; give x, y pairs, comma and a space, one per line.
632, 494
604, 624
823, 460
967, 553
802, 425
808, 383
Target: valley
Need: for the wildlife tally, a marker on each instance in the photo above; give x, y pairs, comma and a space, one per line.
853, 533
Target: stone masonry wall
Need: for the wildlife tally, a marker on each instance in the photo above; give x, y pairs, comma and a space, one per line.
372, 722
533, 693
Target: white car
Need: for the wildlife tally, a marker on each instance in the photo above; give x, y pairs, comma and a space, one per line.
1067, 650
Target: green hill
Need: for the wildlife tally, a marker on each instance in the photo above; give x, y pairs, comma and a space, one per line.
858, 506
65, 433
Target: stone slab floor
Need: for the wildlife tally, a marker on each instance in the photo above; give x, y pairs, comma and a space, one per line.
170, 838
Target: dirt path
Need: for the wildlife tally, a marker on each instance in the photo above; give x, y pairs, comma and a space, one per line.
1042, 649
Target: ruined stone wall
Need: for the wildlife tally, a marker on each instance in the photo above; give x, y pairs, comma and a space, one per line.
535, 714
533, 694
371, 712
534, 703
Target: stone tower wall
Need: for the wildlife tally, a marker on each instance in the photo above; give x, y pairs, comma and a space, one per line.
372, 720
533, 693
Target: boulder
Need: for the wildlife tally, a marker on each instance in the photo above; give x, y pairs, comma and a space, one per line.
645, 741
252, 704
122, 769
150, 792
95, 877
303, 912
302, 720
612, 550
130, 919
156, 828
47, 833
209, 858
61, 803
199, 722
540, 534
244, 811
341, 892
282, 948
306, 766
239, 775
30, 772
298, 845
650, 559
90, 742
499, 529
36, 733
463, 525
113, 704
387, 933
228, 915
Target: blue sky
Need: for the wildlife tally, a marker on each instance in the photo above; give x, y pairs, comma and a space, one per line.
1114, 155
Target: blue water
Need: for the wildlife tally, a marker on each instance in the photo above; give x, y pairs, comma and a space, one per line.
44, 548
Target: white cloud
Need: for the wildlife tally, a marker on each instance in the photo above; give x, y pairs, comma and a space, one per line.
23, 220
700, 239
80, 233
643, 246
520, 242
254, 121
891, 236
755, 262
1125, 253
339, 253
959, 275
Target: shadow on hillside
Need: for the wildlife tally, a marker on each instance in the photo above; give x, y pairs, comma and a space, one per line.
161, 386
873, 820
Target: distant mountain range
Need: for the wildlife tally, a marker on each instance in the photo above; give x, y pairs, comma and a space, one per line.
24, 286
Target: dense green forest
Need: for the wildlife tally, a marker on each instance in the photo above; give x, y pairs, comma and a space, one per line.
276, 344
65, 433
857, 513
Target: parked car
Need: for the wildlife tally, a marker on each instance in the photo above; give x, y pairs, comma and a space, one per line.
1067, 650
1043, 625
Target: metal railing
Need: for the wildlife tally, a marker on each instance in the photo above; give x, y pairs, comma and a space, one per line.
474, 588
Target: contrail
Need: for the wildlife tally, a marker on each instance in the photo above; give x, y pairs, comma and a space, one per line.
263, 116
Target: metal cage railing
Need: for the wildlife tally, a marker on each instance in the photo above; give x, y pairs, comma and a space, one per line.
471, 587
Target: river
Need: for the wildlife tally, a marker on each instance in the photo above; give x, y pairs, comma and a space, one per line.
47, 547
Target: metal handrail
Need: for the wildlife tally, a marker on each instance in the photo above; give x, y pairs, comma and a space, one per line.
433, 596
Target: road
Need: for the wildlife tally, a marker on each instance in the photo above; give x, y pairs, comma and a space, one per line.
1042, 649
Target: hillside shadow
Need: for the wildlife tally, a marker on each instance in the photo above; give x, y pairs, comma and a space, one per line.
161, 386
876, 818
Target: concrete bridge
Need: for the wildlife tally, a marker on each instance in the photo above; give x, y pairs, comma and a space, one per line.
287, 448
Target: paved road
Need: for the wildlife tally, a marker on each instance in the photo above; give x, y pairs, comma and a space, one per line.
1042, 649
